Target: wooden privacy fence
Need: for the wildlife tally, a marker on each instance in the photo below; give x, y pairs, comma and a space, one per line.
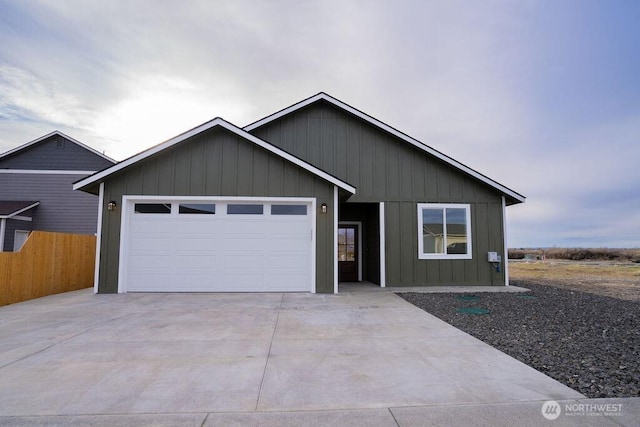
48, 263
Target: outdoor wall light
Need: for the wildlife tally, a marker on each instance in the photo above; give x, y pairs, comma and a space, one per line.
111, 206
323, 208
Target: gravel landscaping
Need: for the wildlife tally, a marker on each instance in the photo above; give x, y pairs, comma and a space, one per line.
589, 342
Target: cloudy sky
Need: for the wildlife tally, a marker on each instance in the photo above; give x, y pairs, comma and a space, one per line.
542, 96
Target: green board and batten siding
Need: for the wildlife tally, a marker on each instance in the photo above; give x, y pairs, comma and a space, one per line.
384, 168
216, 162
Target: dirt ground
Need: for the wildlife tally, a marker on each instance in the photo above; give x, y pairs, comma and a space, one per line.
612, 279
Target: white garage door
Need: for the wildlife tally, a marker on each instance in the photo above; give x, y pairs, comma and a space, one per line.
218, 246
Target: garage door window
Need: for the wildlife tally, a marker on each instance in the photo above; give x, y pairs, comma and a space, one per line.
152, 208
245, 209
288, 209
199, 208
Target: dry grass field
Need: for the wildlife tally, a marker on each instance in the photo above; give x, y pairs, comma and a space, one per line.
578, 254
609, 278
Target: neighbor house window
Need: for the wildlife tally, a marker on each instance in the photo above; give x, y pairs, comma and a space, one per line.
444, 231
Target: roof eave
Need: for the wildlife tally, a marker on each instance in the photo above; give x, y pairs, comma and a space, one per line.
19, 211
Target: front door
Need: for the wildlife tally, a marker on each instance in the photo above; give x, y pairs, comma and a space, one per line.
348, 253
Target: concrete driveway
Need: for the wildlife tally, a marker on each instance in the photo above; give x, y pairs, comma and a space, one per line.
232, 357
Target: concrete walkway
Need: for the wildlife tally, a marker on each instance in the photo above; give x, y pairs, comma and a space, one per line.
356, 358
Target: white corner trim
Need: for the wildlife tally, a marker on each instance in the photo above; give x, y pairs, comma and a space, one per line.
335, 240
206, 126
505, 255
391, 130
3, 229
383, 264
313, 246
96, 273
125, 214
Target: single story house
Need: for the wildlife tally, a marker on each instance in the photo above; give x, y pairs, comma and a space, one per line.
313, 195
36, 188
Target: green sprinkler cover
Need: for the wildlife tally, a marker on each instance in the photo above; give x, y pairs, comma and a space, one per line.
473, 310
467, 297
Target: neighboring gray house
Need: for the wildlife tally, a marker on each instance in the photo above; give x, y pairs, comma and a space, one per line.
313, 195
36, 188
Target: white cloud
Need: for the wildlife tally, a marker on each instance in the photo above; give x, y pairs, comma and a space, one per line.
23, 95
157, 108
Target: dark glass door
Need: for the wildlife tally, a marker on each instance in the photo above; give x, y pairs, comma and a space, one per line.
348, 253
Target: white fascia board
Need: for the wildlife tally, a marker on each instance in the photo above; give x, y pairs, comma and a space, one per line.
18, 212
336, 208
21, 218
391, 130
206, 126
56, 132
3, 229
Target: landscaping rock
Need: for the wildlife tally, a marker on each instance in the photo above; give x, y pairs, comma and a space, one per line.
589, 342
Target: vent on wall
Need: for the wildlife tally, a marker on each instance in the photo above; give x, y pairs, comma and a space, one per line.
60, 143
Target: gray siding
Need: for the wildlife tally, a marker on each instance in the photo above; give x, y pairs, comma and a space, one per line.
216, 163
61, 209
384, 168
55, 153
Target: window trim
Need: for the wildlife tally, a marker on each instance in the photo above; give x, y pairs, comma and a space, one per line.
467, 208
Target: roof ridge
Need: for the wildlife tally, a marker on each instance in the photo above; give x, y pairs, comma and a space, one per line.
49, 135
218, 121
389, 129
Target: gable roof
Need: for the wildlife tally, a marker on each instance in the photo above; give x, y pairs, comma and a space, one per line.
514, 196
9, 208
100, 176
49, 135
